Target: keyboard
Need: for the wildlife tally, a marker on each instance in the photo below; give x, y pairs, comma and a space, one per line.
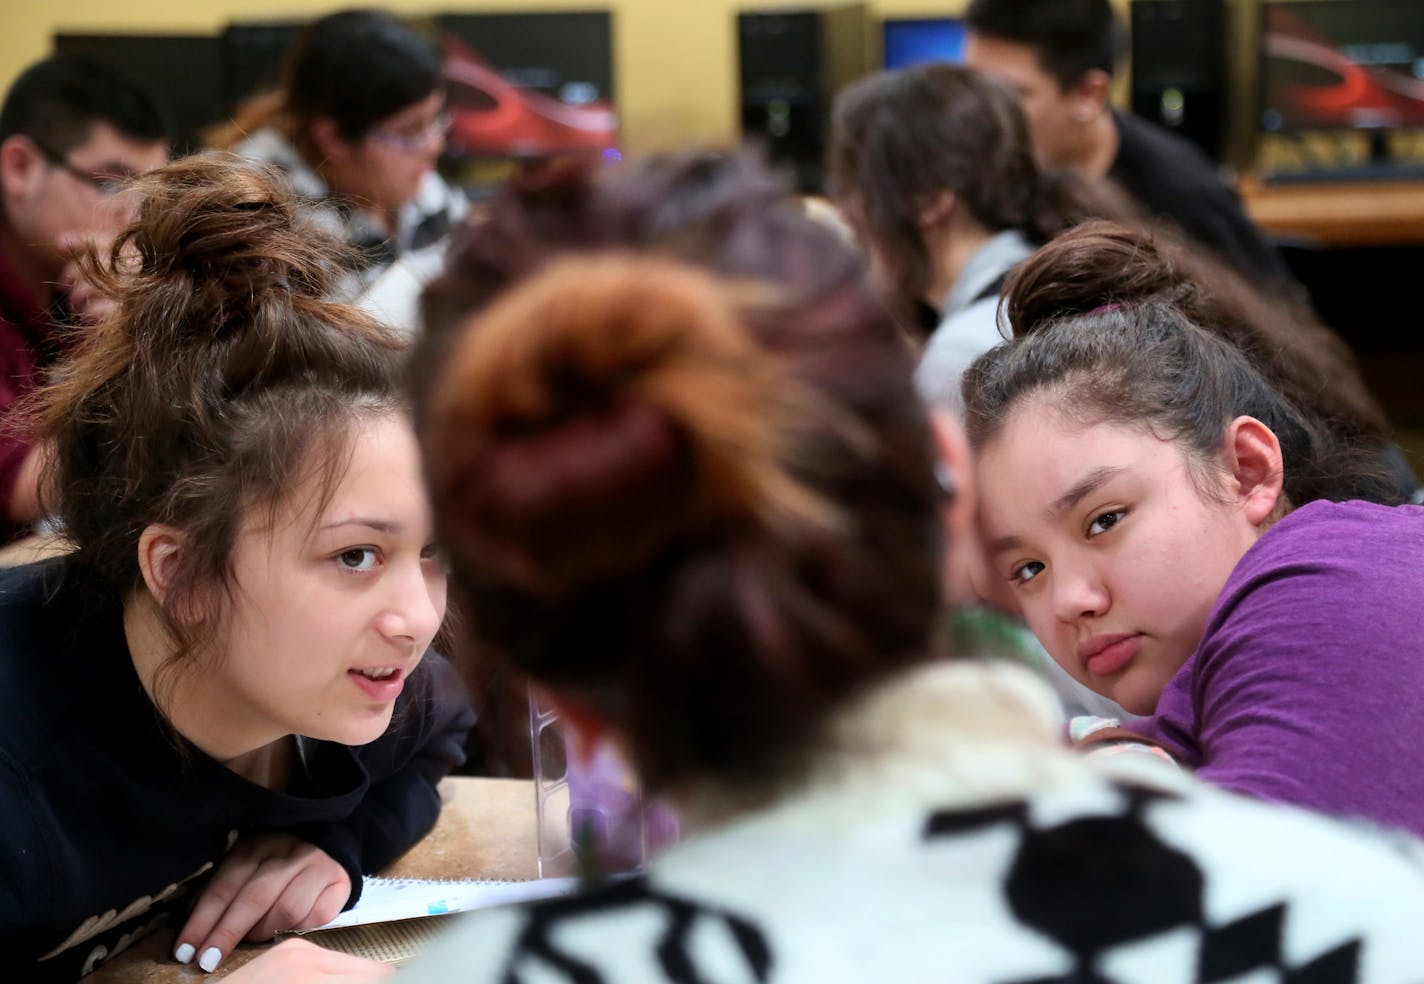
1364, 173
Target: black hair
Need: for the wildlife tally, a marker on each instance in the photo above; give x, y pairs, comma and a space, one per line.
57, 101
1146, 364
357, 67
1069, 37
901, 138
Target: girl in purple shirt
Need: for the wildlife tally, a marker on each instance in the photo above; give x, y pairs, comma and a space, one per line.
1139, 483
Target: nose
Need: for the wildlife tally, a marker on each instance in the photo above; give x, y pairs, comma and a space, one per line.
1079, 594
415, 606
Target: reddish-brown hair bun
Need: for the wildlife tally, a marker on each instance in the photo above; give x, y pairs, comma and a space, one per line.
598, 410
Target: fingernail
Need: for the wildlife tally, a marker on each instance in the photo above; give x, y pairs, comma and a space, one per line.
184, 953
209, 960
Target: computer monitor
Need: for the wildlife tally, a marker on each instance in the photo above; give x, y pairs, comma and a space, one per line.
911, 41
528, 85
1342, 64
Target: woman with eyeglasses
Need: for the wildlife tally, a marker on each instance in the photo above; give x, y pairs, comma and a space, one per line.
356, 126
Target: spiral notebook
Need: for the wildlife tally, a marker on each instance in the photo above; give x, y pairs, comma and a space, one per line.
398, 917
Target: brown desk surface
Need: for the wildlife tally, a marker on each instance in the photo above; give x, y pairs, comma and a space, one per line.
486, 830
1367, 213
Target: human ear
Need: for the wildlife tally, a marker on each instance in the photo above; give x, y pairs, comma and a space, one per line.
967, 575
1090, 95
936, 211
1255, 468
158, 549
954, 466
21, 166
331, 146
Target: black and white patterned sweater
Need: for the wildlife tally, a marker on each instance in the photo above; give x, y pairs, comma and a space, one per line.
948, 838
424, 222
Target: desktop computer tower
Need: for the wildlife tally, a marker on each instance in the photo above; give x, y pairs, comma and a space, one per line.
1179, 69
790, 66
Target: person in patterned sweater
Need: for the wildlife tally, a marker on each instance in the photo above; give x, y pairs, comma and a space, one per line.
690, 490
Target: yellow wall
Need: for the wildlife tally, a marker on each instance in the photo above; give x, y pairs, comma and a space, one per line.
674, 60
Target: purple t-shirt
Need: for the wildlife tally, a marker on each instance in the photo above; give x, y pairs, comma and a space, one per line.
1308, 685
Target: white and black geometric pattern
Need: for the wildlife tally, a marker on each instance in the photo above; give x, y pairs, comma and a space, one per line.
1150, 888
1013, 862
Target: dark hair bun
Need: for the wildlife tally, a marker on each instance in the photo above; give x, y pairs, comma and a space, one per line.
1096, 264
600, 409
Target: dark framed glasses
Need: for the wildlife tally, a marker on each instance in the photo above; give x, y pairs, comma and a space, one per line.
106, 184
416, 140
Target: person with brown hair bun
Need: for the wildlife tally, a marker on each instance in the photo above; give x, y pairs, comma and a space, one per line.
222, 699
933, 169
688, 488
1102, 263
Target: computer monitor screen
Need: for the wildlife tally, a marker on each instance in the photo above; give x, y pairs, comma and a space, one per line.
528, 84
910, 42
1333, 64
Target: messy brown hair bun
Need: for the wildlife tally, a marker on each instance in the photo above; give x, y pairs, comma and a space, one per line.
679, 464
223, 378
637, 410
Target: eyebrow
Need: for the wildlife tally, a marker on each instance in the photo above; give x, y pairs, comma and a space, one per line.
1083, 488
379, 525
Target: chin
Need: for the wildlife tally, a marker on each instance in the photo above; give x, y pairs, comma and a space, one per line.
354, 729
1137, 704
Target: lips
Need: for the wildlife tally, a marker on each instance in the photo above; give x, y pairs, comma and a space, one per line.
380, 683
1104, 655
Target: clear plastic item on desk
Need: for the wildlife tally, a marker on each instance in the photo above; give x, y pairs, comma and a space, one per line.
592, 817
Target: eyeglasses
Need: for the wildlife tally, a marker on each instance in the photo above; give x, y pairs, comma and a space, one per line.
106, 184
416, 141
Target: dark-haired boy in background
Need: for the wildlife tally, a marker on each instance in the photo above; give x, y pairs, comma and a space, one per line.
1060, 56
72, 129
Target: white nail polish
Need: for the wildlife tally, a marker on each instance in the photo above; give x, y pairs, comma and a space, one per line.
184, 953
209, 960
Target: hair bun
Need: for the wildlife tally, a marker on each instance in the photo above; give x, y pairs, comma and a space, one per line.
217, 234
1090, 266
599, 409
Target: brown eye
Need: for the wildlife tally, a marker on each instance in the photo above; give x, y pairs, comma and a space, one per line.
1105, 521
357, 559
1026, 572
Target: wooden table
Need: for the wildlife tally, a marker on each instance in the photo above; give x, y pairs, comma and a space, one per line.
486, 830
1365, 213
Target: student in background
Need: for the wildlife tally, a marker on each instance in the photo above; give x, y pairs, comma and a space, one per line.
1060, 56
225, 690
1100, 263
72, 130
933, 169
357, 126
1178, 535
689, 489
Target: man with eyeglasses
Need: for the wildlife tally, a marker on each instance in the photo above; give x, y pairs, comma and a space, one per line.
73, 129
